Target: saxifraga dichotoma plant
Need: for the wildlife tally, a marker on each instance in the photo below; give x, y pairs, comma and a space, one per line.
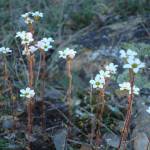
134, 65
100, 83
30, 46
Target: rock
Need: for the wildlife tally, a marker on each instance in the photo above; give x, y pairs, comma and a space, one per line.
115, 111
142, 118
7, 122
59, 139
53, 94
141, 132
111, 139
141, 142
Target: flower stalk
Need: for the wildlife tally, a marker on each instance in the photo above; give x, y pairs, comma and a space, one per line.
43, 45
126, 127
100, 111
69, 91
7, 81
102, 95
30, 103
43, 65
68, 54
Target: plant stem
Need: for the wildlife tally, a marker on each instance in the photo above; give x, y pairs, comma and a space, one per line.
6, 78
129, 113
30, 103
31, 28
103, 104
93, 119
30, 65
8, 84
43, 65
100, 115
69, 91
69, 94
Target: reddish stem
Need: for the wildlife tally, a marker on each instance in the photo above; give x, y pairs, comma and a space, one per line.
100, 113
129, 113
43, 65
69, 91
30, 103
69, 94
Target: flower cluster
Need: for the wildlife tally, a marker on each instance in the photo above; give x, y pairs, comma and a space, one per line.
127, 87
45, 44
5, 50
26, 37
101, 77
27, 18
37, 14
98, 82
27, 93
111, 68
30, 16
67, 53
131, 61
135, 64
127, 54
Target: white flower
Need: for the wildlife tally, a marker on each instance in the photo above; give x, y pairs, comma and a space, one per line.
62, 54
127, 54
27, 18
70, 53
47, 40
5, 50
131, 53
123, 54
111, 68
136, 90
26, 15
134, 63
67, 53
30, 16
26, 37
104, 74
30, 49
148, 110
98, 82
28, 93
28, 21
45, 44
126, 86
37, 14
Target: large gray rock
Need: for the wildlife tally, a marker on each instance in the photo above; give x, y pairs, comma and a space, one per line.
141, 120
141, 142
